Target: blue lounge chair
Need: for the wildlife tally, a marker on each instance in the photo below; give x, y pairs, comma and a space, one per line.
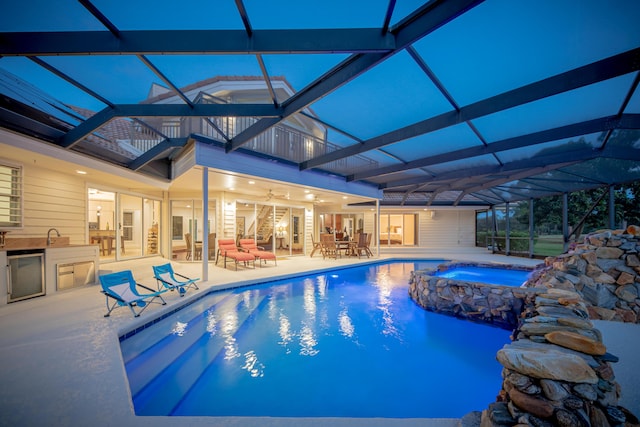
122, 289
167, 280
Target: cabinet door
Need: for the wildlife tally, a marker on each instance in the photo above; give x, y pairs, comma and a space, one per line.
83, 273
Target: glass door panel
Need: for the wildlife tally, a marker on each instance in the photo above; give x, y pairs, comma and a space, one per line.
395, 229
245, 220
409, 229
151, 227
297, 231
102, 220
283, 230
265, 224
186, 230
128, 236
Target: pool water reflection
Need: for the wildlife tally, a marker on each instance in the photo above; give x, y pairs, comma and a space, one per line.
350, 343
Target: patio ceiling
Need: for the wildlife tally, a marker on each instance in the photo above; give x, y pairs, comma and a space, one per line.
443, 103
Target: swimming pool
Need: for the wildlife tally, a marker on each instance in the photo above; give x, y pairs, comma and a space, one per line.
350, 343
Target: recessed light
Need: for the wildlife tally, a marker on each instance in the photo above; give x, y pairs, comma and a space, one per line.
344, 197
306, 191
231, 189
252, 182
79, 172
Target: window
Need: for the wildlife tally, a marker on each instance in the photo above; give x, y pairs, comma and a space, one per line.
10, 196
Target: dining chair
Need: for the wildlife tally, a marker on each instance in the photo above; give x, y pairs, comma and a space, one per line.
329, 247
317, 246
198, 247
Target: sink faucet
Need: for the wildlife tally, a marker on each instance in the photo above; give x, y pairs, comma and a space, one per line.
49, 235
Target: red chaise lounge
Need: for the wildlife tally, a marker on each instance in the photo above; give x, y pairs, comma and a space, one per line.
250, 246
227, 248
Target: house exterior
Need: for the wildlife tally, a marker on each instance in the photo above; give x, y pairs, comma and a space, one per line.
118, 214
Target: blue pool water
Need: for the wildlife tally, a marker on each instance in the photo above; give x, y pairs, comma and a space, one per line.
350, 343
493, 276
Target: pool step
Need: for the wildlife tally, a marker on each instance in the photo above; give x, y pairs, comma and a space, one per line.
148, 355
144, 340
162, 392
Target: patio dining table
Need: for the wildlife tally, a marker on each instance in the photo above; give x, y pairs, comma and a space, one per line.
347, 246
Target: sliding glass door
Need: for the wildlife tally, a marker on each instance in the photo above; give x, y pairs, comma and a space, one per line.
188, 231
276, 228
398, 229
122, 225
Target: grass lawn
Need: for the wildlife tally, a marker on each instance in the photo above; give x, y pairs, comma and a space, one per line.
548, 245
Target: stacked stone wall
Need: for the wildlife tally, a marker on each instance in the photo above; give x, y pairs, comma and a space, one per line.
604, 270
491, 304
557, 371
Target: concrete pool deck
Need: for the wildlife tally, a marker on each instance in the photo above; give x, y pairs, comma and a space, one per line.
61, 363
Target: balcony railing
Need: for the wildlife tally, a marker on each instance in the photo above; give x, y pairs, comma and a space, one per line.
281, 141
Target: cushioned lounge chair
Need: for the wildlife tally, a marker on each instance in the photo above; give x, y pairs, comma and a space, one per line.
170, 280
227, 249
249, 245
122, 289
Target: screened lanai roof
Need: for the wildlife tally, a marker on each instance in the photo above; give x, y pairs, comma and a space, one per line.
441, 102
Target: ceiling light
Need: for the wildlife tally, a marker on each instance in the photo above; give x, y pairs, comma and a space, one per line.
345, 197
252, 182
79, 172
307, 191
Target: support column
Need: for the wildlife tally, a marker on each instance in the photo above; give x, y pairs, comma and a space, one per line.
205, 225
378, 228
507, 231
531, 229
494, 226
565, 221
612, 208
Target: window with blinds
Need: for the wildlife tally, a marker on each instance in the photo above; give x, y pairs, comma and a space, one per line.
10, 196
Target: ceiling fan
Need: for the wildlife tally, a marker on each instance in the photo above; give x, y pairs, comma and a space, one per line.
272, 195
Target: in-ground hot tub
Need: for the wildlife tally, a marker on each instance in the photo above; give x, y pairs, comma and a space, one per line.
483, 292
493, 274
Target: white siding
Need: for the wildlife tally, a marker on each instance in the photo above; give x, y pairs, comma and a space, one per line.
370, 226
308, 230
228, 218
53, 200
447, 229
